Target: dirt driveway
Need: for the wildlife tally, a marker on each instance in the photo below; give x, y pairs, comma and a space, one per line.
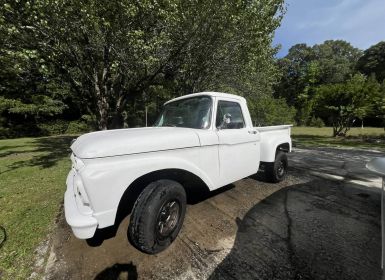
322, 222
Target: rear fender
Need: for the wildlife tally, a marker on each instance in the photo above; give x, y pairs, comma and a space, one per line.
269, 147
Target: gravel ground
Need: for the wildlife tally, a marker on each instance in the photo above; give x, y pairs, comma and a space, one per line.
322, 222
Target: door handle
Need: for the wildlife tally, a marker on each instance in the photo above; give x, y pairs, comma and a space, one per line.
252, 132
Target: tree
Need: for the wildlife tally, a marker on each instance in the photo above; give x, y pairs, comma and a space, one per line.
378, 100
304, 101
115, 53
28, 91
293, 67
373, 61
304, 68
336, 60
271, 111
341, 103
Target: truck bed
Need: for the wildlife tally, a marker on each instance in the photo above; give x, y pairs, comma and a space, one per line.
271, 137
274, 127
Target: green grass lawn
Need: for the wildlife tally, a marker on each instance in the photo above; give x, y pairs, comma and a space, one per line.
362, 138
32, 184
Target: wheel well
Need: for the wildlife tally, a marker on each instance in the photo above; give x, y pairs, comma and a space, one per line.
285, 147
193, 185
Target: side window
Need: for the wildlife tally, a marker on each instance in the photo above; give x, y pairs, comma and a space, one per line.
233, 113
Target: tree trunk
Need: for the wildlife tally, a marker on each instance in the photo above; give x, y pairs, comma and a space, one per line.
118, 119
334, 131
102, 104
103, 114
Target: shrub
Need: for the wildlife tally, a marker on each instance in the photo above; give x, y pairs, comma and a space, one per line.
4, 132
53, 127
270, 111
316, 122
77, 127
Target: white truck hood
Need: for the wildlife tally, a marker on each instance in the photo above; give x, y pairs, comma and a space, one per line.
133, 140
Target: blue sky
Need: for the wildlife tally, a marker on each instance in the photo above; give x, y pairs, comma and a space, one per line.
360, 22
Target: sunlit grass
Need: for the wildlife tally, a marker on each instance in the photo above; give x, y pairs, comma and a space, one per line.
362, 138
32, 184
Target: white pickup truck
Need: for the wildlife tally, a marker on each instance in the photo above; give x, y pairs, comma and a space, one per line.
202, 140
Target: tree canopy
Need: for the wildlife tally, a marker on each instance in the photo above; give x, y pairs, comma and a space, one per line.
78, 64
332, 81
112, 59
342, 103
373, 61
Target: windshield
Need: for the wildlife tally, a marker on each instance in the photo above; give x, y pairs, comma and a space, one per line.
194, 112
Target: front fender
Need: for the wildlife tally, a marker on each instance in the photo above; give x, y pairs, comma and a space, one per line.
107, 179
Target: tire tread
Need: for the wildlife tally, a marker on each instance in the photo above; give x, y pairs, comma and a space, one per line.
136, 229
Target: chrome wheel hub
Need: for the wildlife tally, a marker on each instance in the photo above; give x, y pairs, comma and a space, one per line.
168, 217
281, 169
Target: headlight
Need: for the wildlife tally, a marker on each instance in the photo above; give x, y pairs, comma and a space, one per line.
76, 162
80, 191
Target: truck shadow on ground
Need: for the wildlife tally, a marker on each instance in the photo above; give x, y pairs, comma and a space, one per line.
316, 230
119, 271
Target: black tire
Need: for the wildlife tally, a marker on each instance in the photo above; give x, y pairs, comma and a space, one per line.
157, 216
276, 171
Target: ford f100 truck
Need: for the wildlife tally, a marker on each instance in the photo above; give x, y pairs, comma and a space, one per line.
201, 140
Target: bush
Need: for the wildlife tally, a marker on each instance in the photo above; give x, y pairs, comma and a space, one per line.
53, 127
90, 121
77, 127
316, 122
4, 132
29, 127
270, 111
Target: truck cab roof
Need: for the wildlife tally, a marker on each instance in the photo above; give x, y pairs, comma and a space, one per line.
212, 94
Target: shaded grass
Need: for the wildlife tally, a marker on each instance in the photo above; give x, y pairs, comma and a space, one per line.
32, 185
367, 138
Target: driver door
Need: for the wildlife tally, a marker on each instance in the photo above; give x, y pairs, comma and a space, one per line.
238, 144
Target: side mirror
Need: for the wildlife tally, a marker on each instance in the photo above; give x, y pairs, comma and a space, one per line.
226, 120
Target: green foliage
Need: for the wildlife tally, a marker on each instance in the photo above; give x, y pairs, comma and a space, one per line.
304, 68
336, 60
293, 67
29, 92
58, 126
61, 60
270, 111
77, 127
40, 105
112, 53
343, 102
316, 122
53, 127
373, 61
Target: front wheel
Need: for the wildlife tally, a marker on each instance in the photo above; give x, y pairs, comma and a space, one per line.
157, 216
276, 171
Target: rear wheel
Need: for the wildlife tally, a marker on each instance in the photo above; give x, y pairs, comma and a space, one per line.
157, 216
276, 171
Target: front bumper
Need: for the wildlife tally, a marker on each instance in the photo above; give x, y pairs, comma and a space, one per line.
83, 226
